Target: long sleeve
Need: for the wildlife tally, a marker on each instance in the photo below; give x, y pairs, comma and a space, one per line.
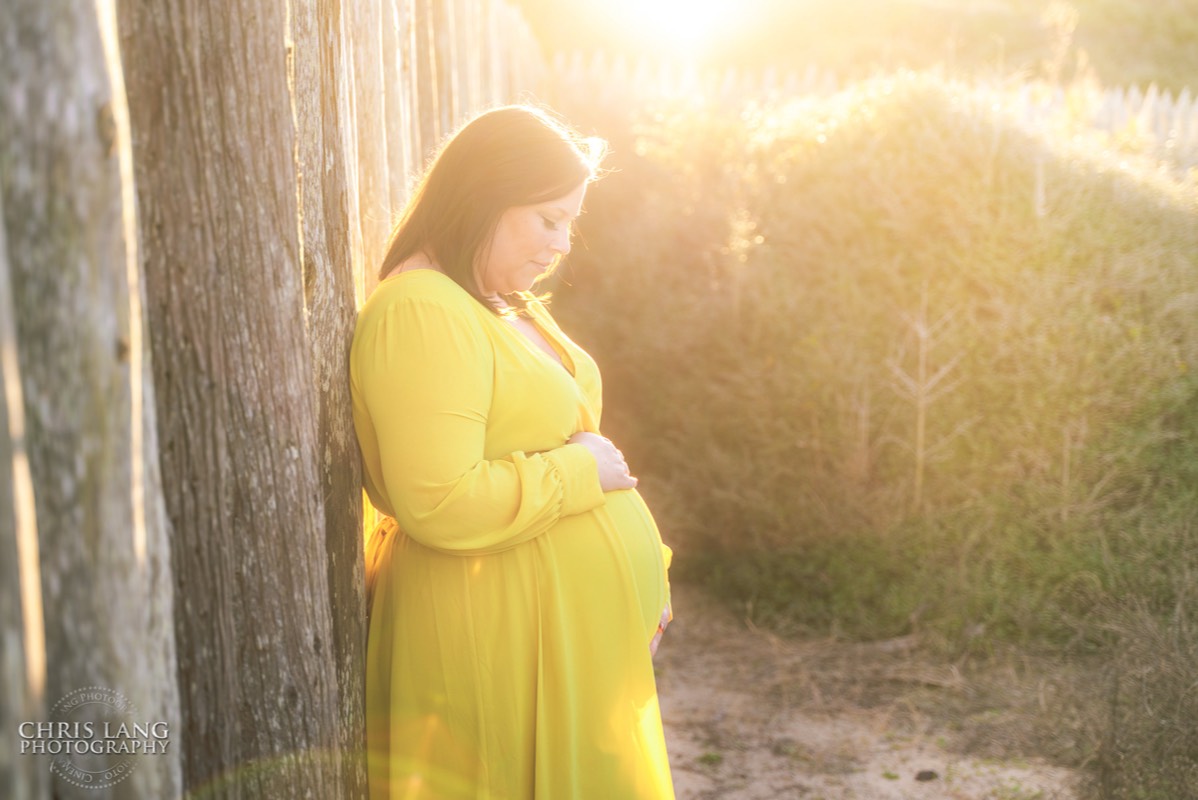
423, 373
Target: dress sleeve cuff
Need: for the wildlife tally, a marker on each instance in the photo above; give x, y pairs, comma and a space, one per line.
579, 475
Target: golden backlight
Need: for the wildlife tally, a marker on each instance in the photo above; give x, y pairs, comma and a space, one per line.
676, 27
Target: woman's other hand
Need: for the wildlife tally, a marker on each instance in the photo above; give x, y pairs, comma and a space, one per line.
613, 469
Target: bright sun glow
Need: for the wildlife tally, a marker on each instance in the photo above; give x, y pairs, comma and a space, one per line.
681, 27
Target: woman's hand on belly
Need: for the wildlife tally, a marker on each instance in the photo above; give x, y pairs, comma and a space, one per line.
666, 616
613, 469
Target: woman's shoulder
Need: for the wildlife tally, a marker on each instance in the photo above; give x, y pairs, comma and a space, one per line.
422, 308
423, 300
419, 289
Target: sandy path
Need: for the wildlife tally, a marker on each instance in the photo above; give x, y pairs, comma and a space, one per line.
751, 717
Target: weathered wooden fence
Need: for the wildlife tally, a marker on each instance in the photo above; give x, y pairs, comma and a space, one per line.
1151, 121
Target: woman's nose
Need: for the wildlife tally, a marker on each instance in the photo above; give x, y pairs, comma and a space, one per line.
561, 241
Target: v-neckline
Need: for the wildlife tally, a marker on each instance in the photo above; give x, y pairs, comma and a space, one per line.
562, 354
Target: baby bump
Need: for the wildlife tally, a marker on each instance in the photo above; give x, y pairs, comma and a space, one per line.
622, 536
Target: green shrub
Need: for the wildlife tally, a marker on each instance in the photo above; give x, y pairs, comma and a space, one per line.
890, 313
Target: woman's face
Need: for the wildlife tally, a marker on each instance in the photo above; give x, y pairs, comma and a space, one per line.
526, 243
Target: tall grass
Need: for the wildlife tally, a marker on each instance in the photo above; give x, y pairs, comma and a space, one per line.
890, 362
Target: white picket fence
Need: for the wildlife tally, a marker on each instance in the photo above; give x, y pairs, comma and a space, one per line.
618, 79
1149, 121
1153, 121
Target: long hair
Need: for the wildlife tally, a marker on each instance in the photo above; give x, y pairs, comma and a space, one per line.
505, 157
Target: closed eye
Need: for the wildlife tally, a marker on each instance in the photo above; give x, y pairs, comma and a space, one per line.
550, 224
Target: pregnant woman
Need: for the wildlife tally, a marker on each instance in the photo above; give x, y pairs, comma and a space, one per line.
517, 581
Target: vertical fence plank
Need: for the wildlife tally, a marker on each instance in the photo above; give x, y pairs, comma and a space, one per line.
220, 234
472, 19
329, 304
447, 64
425, 89
23, 657
85, 512
396, 121
374, 194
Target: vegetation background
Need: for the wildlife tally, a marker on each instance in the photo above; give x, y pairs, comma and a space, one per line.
897, 361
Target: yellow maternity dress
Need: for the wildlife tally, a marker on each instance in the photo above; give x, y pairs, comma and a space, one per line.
513, 600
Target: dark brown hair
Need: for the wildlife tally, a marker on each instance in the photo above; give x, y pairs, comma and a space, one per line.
505, 157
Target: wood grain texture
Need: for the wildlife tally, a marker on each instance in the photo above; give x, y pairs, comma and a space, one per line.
213, 145
322, 130
104, 563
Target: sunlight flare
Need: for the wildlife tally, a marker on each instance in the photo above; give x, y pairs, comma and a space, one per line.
681, 27
24, 511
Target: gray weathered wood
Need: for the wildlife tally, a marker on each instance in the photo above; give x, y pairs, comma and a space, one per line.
374, 192
213, 146
330, 303
425, 91
106, 585
396, 114
21, 777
